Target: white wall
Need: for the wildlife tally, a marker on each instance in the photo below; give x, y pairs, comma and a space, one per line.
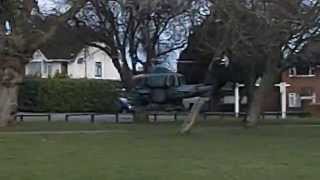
33, 69
76, 70
36, 65
42, 67
87, 69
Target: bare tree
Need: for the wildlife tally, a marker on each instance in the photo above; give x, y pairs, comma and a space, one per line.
23, 30
133, 32
291, 25
263, 31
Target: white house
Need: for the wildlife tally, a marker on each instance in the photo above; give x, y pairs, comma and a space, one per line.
90, 63
42, 67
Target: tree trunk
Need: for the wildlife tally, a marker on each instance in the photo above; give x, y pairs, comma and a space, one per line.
256, 102
150, 59
255, 108
11, 74
9, 105
124, 71
127, 77
250, 89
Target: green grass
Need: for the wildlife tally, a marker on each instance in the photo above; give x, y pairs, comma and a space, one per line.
157, 152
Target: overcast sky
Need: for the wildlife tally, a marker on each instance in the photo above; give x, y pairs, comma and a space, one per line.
48, 6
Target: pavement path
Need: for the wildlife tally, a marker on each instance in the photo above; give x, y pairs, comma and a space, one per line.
64, 132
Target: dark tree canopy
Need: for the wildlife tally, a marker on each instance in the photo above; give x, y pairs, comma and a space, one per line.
257, 37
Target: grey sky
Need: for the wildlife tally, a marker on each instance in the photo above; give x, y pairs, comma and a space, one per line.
49, 6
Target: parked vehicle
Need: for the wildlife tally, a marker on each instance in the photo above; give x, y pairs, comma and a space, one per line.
124, 106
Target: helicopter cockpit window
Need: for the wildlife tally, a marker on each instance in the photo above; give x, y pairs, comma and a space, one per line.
139, 82
171, 81
182, 80
157, 81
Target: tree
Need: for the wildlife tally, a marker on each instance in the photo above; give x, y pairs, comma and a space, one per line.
25, 30
260, 33
222, 37
291, 25
137, 33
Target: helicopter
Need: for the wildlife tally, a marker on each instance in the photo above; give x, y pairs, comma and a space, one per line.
164, 88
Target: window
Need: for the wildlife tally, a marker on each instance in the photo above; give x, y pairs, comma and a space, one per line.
294, 100
182, 80
139, 82
37, 55
171, 81
228, 100
98, 69
303, 71
307, 91
34, 69
45, 68
50, 69
80, 60
307, 94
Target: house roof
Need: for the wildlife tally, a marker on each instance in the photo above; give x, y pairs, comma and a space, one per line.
68, 42
64, 47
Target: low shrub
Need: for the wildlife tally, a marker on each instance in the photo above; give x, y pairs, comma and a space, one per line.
68, 95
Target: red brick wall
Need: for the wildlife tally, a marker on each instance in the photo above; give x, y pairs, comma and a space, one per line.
314, 109
299, 83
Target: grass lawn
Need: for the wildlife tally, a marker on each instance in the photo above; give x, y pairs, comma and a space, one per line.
157, 152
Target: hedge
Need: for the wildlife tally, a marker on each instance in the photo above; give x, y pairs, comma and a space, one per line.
67, 95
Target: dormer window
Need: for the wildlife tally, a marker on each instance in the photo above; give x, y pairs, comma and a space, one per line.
81, 60
303, 71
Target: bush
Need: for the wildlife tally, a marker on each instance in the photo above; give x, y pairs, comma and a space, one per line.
67, 95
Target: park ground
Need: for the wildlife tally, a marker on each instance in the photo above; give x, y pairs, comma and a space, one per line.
222, 151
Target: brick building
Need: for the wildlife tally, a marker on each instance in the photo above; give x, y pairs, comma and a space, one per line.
303, 94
